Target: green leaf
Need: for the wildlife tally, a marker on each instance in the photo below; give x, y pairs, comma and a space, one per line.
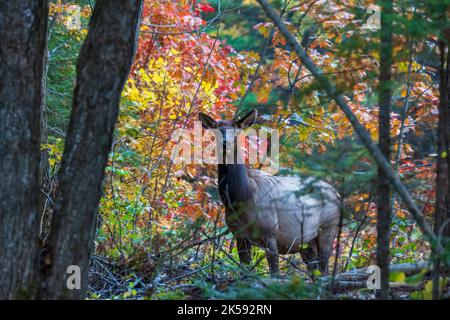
415, 279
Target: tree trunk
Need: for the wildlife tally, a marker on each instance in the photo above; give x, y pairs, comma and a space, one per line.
384, 140
442, 205
23, 26
103, 66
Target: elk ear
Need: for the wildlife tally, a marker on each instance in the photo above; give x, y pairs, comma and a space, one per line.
207, 121
248, 120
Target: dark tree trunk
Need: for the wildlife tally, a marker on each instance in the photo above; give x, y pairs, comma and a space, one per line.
103, 66
446, 220
23, 26
383, 185
442, 205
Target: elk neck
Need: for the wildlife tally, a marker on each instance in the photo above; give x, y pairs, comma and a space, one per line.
234, 185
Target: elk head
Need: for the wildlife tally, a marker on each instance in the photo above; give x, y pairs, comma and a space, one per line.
227, 131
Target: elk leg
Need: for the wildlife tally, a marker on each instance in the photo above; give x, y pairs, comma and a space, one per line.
244, 248
272, 256
310, 256
326, 240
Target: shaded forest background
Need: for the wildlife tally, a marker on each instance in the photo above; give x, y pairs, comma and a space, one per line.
160, 231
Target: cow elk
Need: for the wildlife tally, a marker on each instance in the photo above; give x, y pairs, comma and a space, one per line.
283, 215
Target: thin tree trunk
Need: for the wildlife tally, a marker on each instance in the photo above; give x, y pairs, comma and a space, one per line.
446, 229
103, 66
23, 26
383, 184
442, 204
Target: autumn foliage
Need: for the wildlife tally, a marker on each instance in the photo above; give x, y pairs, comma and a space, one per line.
183, 67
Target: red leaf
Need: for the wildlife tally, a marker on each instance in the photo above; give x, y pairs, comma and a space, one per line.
206, 7
227, 50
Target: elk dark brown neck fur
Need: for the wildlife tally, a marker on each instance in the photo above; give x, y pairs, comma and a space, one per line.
234, 186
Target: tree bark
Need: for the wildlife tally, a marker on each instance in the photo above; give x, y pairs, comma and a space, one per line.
384, 142
442, 205
103, 66
23, 26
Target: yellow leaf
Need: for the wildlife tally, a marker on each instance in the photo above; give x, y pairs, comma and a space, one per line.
397, 277
404, 92
428, 290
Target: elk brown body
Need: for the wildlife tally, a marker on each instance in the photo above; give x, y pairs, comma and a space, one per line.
283, 215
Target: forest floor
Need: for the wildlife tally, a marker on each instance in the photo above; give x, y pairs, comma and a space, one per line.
127, 280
